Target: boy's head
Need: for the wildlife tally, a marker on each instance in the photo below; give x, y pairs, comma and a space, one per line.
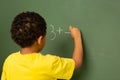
27, 27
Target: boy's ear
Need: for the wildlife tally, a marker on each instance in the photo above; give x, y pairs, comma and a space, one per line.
40, 39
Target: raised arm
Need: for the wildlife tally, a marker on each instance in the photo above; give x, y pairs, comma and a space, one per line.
78, 49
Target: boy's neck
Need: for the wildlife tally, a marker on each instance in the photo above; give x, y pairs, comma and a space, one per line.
28, 50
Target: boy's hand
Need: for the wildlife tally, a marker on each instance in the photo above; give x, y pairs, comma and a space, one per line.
78, 50
75, 32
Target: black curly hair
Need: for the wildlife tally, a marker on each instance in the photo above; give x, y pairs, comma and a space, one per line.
27, 27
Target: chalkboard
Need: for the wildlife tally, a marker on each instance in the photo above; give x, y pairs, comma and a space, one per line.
98, 20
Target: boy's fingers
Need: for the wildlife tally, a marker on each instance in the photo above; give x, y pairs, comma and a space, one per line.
70, 27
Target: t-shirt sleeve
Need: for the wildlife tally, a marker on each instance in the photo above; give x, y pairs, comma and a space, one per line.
62, 68
3, 76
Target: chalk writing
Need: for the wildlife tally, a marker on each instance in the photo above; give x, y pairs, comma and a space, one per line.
54, 32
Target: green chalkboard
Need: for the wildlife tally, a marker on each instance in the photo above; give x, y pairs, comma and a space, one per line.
99, 21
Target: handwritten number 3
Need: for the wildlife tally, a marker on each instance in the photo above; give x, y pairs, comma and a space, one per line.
53, 32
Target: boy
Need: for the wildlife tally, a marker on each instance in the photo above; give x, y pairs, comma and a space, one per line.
29, 32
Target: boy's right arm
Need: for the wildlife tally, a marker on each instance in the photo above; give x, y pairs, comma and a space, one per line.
78, 49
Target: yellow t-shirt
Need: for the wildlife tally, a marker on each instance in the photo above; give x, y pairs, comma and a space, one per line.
36, 66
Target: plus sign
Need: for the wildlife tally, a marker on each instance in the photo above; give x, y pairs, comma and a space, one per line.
59, 30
